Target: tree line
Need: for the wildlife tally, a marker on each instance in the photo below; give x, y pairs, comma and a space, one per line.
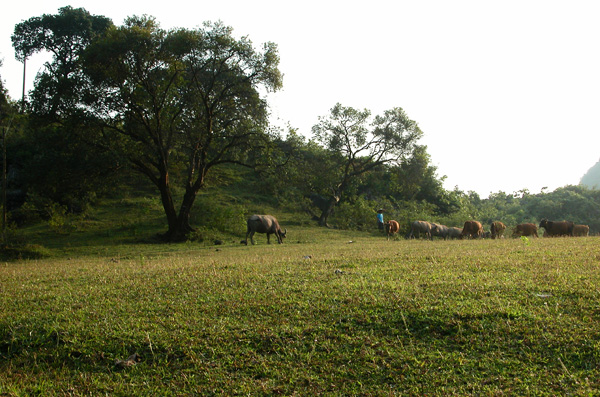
178, 106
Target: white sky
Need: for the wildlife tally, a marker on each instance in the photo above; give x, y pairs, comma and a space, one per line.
507, 92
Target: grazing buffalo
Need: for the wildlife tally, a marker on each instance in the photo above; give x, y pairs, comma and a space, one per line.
472, 229
525, 229
264, 224
560, 228
498, 229
391, 228
440, 230
581, 230
454, 232
445, 232
418, 227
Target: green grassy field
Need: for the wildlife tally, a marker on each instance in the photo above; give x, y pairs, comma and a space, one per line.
328, 312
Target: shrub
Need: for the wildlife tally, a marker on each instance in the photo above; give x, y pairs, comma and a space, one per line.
212, 212
358, 215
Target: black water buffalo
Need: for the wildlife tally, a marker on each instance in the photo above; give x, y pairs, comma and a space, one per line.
472, 229
418, 227
525, 229
454, 232
560, 228
391, 228
497, 229
440, 230
264, 224
445, 232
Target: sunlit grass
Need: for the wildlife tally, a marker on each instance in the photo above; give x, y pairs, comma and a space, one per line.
325, 313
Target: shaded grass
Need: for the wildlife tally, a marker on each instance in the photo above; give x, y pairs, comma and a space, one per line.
369, 317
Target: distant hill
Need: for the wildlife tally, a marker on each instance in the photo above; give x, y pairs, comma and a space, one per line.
591, 178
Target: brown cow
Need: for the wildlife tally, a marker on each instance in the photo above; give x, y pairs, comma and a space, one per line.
525, 229
472, 229
581, 230
498, 229
561, 228
391, 228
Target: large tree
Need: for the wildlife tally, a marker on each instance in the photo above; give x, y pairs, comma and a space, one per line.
358, 145
182, 98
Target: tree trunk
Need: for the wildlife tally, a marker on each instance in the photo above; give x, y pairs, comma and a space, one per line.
176, 231
168, 205
328, 210
179, 227
186, 208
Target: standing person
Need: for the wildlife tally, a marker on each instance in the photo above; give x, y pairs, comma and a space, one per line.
380, 219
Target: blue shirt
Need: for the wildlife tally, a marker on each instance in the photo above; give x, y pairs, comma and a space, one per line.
380, 217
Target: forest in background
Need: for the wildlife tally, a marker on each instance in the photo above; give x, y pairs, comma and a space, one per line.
179, 115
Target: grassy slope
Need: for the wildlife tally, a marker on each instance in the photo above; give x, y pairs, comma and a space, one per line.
319, 314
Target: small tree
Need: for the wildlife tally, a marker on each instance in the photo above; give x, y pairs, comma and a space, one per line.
357, 147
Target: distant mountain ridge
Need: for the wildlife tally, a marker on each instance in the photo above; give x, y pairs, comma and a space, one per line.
591, 178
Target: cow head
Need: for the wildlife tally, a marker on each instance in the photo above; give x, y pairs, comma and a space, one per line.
282, 234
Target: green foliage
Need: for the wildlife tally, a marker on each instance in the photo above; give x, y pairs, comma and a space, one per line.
14, 246
358, 215
60, 86
56, 163
14, 252
217, 213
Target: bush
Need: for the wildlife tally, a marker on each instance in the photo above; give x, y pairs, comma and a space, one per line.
212, 212
359, 215
28, 251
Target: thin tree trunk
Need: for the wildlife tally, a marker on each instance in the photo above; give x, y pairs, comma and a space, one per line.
169, 206
333, 200
183, 219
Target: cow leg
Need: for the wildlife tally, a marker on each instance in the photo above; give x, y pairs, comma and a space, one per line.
268, 238
251, 238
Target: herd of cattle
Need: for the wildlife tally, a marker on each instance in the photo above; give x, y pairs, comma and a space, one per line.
471, 229
474, 229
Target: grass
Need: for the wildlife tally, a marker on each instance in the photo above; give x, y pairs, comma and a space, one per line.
316, 315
